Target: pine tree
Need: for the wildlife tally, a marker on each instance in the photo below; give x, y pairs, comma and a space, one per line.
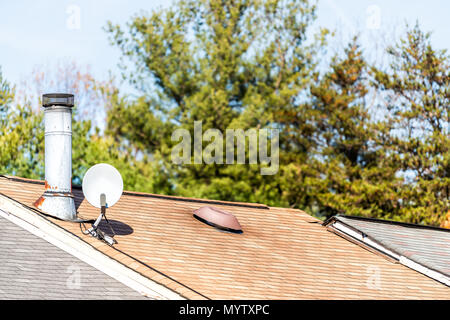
230, 64
417, 89
355, 173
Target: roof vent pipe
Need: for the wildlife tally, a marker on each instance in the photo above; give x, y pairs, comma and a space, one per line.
57, 199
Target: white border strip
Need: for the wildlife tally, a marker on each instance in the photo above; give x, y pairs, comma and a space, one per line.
420, 268
402, 259
359, 236
53, 234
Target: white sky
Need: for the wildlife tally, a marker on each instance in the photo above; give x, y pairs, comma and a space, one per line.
38, 32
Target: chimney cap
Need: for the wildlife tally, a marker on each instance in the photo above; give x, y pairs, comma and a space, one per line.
57, 99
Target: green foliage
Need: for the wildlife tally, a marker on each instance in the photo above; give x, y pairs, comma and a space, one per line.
356, 177
417, 88
21, 143
22, 148
90, 149
233, 64
6, 95
248, 64
354, 139
21, 136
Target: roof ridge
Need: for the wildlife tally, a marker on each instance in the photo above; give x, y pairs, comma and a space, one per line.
158, 196
399, 223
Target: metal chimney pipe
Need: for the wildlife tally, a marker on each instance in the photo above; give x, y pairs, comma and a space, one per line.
57, 199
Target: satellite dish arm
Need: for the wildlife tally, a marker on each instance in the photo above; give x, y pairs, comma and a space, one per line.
103, 203
103, 211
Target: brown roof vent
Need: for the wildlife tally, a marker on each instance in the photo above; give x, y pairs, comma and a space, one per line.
218, 219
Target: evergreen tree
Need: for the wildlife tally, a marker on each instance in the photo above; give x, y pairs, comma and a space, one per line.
417, 91
356, 176
230, 64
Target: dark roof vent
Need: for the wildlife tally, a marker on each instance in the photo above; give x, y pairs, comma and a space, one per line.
218, 219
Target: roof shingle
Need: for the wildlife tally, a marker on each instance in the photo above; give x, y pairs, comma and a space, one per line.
425, 245
282, 254
32, 268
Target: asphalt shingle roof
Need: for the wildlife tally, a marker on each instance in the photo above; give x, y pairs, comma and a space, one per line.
32, 268
429, 247
282, 254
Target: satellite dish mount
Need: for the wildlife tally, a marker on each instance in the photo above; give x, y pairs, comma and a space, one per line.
95, 231
102, 187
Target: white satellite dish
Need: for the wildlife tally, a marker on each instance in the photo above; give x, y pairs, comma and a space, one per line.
102, 187
102, 178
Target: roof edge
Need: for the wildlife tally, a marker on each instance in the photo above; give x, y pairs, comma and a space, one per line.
158, 196
43, 228
398, 223
364, 240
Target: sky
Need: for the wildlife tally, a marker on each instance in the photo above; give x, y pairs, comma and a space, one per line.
34, 33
